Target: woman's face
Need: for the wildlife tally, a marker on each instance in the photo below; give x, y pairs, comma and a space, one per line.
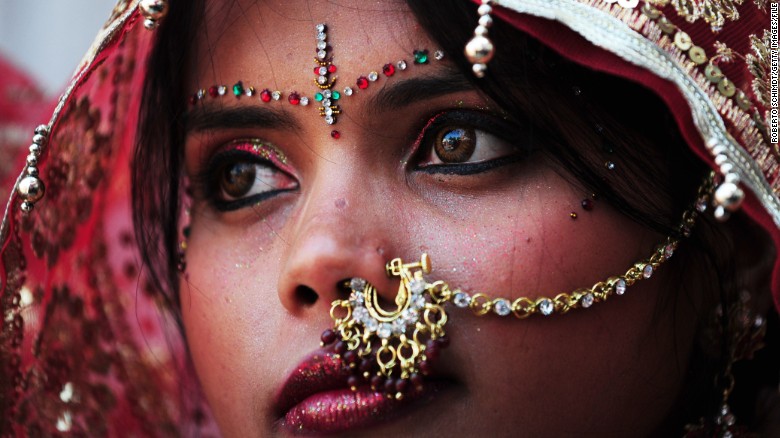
283, 212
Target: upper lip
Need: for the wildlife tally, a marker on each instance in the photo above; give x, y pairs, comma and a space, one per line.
320, 371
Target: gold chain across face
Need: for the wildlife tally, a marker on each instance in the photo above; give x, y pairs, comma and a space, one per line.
392, 349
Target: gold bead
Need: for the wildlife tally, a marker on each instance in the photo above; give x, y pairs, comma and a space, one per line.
425, 262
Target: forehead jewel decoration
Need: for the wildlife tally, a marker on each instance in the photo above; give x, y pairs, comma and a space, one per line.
326, 96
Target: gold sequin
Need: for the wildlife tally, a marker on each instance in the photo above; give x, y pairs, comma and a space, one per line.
697, 55
742, 100
650, 11
666, 26
713, 74
726, 87
682, 41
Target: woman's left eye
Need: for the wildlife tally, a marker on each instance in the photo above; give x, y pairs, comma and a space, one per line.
463, 143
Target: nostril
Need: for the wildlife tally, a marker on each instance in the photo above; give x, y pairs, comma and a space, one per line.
306, 295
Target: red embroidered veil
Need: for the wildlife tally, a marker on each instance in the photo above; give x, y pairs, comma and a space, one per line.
85, 346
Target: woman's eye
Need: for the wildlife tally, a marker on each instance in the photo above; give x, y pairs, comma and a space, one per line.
245, 174
455, 145
464, 143
237, 179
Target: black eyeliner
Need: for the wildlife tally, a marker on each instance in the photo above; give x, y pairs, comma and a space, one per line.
478, 120
470, 168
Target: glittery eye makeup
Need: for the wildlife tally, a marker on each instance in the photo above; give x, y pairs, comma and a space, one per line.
466, 142
244, 173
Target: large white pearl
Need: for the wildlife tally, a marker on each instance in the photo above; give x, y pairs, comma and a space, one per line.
31, 188
729, 195
154, 9
479, 50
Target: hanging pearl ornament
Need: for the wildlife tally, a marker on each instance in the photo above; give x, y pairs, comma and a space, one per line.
480, 50
153, 11
31, 188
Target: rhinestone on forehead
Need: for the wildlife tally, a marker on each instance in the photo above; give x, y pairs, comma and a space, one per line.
324, 80
329, 109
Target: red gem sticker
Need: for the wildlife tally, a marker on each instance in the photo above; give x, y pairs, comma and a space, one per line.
213, 91
294, 98
331, 68
265, 95
335, 134
388, 70
362, 83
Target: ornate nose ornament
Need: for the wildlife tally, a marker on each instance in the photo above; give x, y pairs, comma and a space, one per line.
395, 345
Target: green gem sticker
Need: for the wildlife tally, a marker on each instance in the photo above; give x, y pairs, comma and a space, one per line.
238, 89
335, 95
318, 97
421, 56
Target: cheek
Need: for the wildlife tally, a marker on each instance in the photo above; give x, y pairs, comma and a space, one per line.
524, 242
228, 297
616, 354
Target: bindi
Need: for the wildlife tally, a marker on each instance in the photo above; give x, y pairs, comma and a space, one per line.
327, 94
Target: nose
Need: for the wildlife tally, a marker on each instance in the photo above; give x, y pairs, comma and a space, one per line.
334, 243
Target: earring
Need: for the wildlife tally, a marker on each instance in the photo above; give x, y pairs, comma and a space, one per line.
479, 51
181, 250
153, 11
181, 261
744, 334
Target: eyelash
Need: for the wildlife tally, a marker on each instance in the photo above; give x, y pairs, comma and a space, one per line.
482, 122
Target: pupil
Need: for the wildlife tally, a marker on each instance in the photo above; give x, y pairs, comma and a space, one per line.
456, 145
238, 179
453, 139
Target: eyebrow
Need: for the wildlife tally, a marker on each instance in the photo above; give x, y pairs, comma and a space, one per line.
245, 116
400, 94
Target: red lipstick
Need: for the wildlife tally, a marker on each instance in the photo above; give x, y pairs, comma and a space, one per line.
316, 398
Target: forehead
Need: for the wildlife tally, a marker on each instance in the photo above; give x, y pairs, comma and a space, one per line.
274, 42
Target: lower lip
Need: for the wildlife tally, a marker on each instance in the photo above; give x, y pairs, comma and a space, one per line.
342, 410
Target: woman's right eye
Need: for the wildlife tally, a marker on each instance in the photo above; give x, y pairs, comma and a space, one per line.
246, 173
